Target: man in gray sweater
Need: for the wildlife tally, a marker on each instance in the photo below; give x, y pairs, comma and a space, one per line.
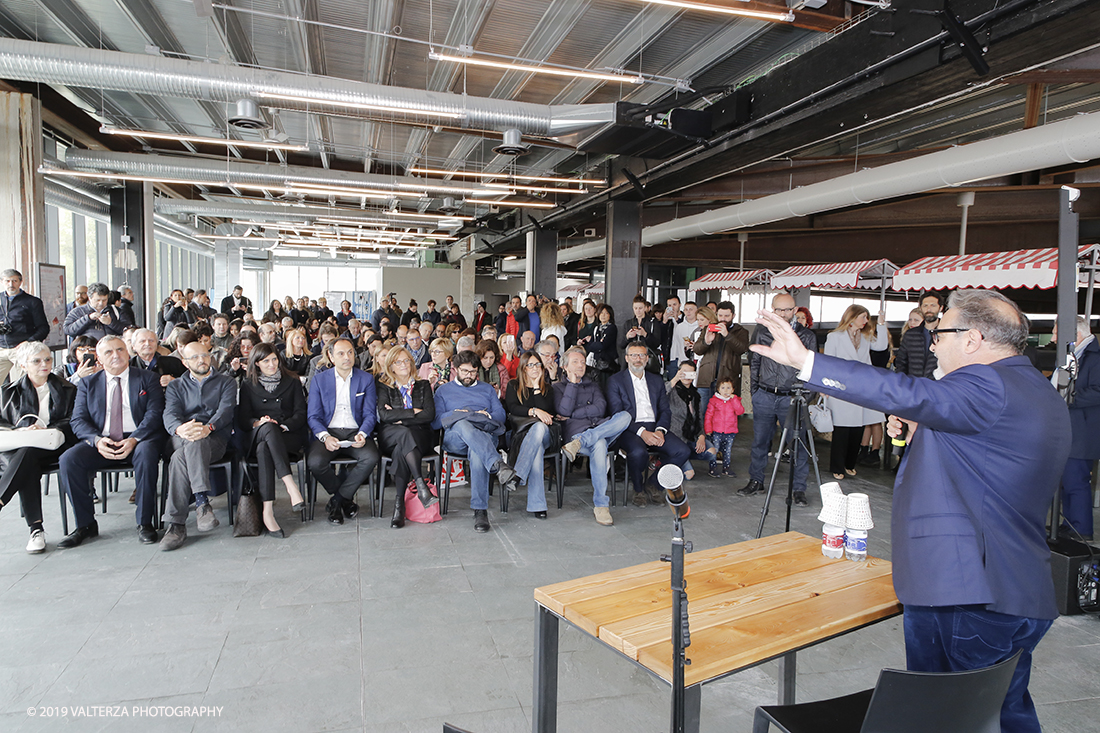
198, 414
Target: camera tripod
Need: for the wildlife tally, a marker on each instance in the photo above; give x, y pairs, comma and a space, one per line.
794, 428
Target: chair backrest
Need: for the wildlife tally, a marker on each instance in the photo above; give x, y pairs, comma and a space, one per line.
951, 702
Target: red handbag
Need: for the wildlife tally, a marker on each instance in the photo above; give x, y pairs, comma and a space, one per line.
415, 511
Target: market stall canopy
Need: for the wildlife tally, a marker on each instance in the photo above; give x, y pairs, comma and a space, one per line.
1026, 268
872, 274
594, 289
576, 289
749, 280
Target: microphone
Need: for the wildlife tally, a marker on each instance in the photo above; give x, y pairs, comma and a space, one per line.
671, 479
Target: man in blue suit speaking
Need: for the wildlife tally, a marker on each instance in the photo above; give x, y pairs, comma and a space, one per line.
987, 443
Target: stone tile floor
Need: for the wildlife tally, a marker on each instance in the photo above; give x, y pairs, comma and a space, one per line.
366, 628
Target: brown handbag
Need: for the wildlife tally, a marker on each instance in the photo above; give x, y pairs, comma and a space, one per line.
248, 521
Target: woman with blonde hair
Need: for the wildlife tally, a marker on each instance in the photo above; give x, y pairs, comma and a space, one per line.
297, 353
406, 408
552, 324
438, 371
509, 355
852, 339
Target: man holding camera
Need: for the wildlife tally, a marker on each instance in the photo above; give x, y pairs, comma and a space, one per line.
98, 318
22, 318
772, 385
720, 347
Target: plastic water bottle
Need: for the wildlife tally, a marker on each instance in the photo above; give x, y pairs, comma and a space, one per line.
832, 541
855, 544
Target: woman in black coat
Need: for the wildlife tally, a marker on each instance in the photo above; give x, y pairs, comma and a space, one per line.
271, 413
529, 402
21, 408
406, 408
601, 345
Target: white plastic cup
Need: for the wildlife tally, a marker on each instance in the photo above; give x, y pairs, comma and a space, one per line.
855, 544
832, 541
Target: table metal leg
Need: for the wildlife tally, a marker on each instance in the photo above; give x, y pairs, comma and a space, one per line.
545, 707
787, 671
692, 702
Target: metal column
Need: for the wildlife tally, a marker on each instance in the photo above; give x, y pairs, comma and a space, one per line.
623, 259
1067, 303
132, 246
542, 263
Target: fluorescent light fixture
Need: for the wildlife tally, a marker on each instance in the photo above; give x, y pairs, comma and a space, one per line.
204, 140
744, 12
404, 214
352, 191
545, 189
522, 204
516, 176
470, 60
226, 236
360, 105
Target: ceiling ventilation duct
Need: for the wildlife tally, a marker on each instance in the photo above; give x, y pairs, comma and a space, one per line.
248, 116
449, 206
512, 144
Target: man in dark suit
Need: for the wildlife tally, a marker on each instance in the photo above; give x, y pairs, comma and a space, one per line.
144, 343
987, 444
118, 418
342, 410
1084, 415
236, 305
642, 394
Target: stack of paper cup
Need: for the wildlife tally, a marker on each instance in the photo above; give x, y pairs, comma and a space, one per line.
832, 517
832, 488
857, 521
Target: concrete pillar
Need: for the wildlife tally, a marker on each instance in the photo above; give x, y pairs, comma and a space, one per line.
801, 297
466, 286
227, 271
22, 201
542, 263
132, 247
623, 266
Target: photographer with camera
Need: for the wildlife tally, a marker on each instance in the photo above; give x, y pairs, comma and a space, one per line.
98, 318
718, 349
22, 318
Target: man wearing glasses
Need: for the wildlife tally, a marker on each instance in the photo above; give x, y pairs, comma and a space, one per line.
472, 419
198, 415
22, 318
987, 443
771, 383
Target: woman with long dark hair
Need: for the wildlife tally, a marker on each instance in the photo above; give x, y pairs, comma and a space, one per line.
492, 371
530, 407
76, 366
271, 413
601, 345
406, 408
275, 313
240, 350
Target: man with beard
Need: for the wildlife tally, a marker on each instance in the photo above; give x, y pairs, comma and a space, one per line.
914, 356
472, 419
199, 409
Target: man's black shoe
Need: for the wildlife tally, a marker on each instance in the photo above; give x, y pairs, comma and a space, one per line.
78, 535
752, 487
335, 510
481, 520
351, 509
507, 476
800, 498
147, 535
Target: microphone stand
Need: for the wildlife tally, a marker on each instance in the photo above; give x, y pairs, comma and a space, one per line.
681, 634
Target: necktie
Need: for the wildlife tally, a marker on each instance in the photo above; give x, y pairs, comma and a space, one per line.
116, 411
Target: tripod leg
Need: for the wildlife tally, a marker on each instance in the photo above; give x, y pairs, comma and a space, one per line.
771, 483
812, 450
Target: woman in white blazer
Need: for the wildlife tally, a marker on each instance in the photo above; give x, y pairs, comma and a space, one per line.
854, 339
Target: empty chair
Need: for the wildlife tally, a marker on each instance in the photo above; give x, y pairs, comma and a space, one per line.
904, 702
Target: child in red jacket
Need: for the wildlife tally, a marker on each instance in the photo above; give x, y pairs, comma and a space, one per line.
720, 425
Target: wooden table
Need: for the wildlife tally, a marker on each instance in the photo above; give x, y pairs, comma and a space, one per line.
749, 603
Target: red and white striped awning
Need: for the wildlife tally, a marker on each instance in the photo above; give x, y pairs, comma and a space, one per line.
863, 274
1026, 268
574, 289
733, 280
595, 289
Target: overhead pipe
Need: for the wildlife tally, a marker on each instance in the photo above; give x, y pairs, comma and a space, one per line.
52, 63
273, 212
208, 171
1075, 140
